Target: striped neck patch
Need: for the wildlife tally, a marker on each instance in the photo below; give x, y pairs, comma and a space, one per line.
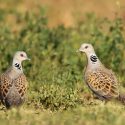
93, 58
18, 66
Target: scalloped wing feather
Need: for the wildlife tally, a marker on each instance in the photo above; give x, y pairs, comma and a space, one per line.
5, 85
102, 82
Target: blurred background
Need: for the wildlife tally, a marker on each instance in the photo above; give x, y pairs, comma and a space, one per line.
68, 12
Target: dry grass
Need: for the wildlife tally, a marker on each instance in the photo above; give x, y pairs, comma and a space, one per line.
88, 115
68, 12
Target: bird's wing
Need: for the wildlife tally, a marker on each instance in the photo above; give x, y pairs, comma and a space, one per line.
21, 85
5, 85
103, 83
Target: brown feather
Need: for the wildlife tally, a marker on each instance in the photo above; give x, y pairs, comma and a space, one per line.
102, 82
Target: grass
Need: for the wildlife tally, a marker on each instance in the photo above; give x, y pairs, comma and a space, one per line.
57, 93
100, 114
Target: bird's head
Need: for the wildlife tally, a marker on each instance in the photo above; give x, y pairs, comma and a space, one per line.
86, 48
21, 56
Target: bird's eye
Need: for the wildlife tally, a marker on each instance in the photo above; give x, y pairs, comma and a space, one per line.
86, 47
21, 55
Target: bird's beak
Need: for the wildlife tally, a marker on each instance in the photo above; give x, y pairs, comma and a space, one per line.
79, 50
28, 59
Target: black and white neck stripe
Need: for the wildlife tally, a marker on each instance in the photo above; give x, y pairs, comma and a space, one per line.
93, 58
18, 66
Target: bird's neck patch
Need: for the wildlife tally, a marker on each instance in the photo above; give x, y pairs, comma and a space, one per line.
93, 58
18, 66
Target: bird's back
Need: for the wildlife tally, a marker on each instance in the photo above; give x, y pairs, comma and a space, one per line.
12, 90
102, 82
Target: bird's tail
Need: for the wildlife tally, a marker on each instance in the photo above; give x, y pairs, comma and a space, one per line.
121, 98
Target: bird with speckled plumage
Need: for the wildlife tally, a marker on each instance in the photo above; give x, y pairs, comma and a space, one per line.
13, 83
100, 80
